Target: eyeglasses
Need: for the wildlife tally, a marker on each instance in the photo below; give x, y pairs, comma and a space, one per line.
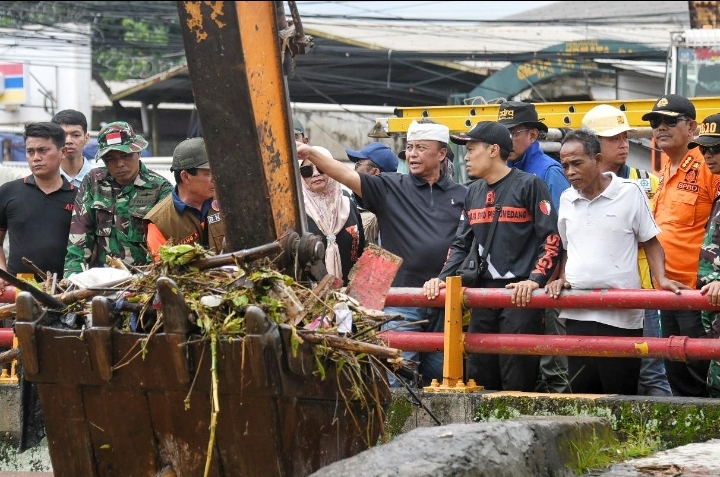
307, 171
368, 164
656, 121
516, 132
711, 149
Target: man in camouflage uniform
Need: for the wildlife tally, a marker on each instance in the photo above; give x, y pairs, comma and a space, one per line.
709, 268
107, 219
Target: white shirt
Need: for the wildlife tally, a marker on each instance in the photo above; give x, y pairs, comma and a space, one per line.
601, 237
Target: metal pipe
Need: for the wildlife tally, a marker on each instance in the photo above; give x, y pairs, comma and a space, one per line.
500, 298
676, 348
6, 337
8, 295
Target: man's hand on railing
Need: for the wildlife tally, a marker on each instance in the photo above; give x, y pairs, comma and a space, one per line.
432, 287
671, 285
556, 286
522, 291
712, 290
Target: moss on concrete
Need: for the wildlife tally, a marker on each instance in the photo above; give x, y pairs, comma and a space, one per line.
398, 413
668, 423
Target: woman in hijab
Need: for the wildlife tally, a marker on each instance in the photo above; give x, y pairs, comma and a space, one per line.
332, 215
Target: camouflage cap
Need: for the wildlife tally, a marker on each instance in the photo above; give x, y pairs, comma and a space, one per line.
119, 136
190, 154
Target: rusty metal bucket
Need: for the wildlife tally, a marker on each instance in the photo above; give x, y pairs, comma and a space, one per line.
276, 418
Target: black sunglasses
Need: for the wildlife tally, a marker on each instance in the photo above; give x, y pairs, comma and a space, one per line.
711, 149
656, 121
307, 171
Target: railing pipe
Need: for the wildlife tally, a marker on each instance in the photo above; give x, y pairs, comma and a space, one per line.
6, 337
598, 299
677, 348
8, 295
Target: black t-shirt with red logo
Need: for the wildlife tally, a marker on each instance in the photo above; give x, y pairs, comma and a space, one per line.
526, 243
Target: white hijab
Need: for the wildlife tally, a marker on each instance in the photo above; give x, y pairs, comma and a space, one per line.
330, 210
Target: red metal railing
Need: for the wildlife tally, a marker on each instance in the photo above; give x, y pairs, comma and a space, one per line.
7, 334
6, 337
8, 295
500, 298
676, 347
454, 343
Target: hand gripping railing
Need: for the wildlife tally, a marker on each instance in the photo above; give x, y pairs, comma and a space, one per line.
454, 343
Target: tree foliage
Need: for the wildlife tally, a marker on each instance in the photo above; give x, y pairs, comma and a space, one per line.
129, 40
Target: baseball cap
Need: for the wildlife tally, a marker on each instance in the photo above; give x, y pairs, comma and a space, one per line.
119, 136
709, 132
606, 121
190, 154
377, 152
298, 126
514, 113
672, 105
489, 132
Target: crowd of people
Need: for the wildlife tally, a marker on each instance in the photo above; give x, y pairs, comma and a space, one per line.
584, 220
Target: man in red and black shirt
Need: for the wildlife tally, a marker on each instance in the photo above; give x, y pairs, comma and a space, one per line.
522, 256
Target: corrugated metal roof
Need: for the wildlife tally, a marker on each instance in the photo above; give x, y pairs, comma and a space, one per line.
405, 63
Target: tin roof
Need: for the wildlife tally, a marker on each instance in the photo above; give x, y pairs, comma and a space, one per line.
403, 63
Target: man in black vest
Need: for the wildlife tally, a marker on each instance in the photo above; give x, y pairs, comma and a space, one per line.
190, 214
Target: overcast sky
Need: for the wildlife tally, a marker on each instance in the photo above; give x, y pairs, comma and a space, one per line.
437, 10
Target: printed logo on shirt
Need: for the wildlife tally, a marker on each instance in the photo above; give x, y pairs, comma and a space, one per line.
689, 184
215, 205
507, 214
68, 207
545, 207
646, 185
490, 198
214, 218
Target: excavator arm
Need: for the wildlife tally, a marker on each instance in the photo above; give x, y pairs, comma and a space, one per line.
237, 53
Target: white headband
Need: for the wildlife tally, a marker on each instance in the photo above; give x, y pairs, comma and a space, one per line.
428, 131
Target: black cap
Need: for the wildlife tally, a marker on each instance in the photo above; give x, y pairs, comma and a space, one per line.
488, 132
709, 132
514, 113
672, 105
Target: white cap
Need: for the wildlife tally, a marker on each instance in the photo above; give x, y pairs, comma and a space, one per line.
606, 121
428, 132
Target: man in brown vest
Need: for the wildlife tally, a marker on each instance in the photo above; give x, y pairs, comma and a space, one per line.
190, 214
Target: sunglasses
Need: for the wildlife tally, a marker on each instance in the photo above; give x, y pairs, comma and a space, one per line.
307, 171
671, 122
711, 149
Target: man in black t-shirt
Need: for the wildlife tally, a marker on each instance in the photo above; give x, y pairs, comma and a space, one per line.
36, 209
418, 214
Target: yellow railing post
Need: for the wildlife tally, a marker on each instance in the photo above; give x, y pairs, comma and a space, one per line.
454, 348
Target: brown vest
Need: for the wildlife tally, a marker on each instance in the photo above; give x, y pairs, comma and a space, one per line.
186, 228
